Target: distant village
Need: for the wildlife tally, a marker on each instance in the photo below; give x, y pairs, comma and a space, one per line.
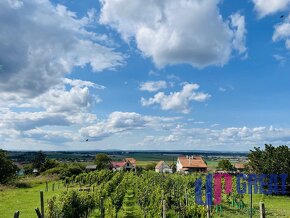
184, 164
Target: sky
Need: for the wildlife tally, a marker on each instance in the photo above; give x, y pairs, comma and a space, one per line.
129, 75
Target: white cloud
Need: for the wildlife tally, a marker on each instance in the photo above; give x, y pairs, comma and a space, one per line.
267, 7
153, 86
281, 59
40, 43
282, 32
239, 30
82, 83
118, 122
178, 101
51, 136
176, 32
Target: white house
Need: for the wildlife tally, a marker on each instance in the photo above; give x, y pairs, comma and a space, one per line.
188, 164
162, 167
128, 164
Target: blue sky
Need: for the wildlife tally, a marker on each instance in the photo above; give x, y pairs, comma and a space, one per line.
165, 75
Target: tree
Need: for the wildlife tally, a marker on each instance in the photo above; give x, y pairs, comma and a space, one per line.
271, 160
39, 160
103, 161
7, 168
225, 165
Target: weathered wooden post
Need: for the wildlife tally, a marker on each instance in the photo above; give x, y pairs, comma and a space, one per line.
163, 209
38, 213
102, 208
262, 210
207, 211
186, 198
16, 214
42, 204
208, 200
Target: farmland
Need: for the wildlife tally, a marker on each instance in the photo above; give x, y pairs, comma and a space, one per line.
115, 187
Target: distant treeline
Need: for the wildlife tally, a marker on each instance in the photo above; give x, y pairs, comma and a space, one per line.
27, 156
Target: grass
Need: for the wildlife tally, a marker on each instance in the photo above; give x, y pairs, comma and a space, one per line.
26, 200
276, 207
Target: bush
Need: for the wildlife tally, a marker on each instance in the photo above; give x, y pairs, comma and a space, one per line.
7, 168
71, 204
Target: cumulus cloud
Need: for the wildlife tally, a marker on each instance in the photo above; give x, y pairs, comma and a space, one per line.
41, 42
175, 32
267, 7
178, 101
51, 136
153, 86
118, 122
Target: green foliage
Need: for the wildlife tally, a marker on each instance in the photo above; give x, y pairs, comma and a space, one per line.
150, 166
66, 170
103, 161
71, 204
225, 164
130, 207
49, 164
39, 160
7, 169
271, 160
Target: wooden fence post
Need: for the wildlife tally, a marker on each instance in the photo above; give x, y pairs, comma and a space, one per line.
163, 209
207, 211
262, 210
46, 186
38, 213
42, 204
102, 208
16, 214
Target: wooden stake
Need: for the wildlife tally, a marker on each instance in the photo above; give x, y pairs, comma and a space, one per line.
163, 209
42, 204
262, 210
102, 208
38, 213
16, 214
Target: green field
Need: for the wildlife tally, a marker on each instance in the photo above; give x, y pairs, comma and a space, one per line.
25, 200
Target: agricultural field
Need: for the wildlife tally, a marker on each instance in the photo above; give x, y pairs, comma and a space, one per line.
127, 194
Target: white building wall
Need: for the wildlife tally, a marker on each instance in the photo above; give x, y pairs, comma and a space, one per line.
178, 166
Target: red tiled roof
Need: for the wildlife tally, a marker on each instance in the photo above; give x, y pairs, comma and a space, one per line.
118, 164
192, 162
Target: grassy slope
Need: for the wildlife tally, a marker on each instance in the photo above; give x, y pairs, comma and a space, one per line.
24, 199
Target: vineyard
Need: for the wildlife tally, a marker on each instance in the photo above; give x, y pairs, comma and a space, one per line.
127, 194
